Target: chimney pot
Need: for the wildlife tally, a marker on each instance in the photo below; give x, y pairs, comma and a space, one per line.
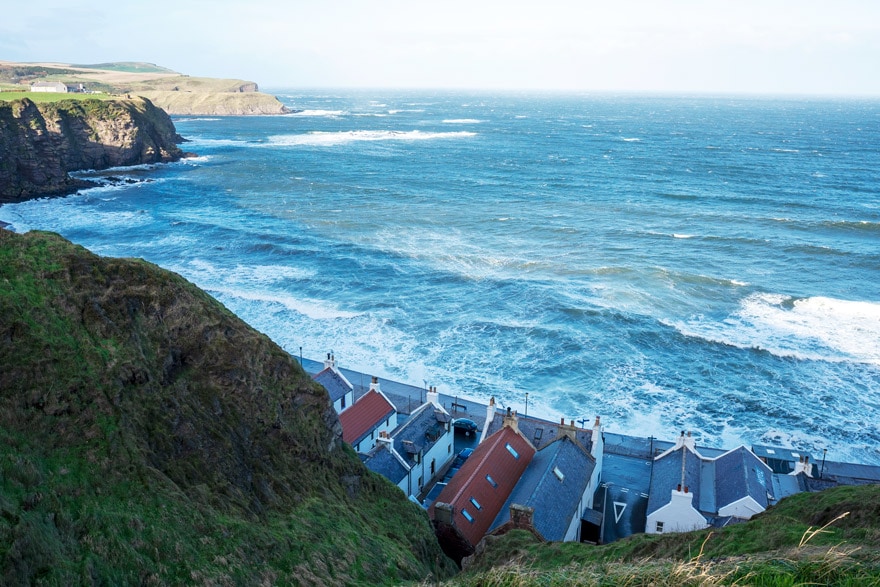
572, 423
685, 488
679, 488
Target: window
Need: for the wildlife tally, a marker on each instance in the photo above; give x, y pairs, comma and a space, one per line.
558, 473
388, 421
770, 451
467, 516
491, 481
433, 465
342, 402
372, 434
512, 451
476, 504
449, 449
358, 447
659, 528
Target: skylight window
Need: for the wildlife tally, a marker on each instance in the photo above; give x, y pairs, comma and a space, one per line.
467, 516
512, 451
558, 473
491, 481
476, 504
770, 451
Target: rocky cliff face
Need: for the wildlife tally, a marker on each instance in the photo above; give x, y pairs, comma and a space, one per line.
40, 144
149, 436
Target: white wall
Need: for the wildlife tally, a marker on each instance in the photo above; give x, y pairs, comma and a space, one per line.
679, 515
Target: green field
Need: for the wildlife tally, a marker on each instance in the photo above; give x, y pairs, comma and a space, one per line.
45, 97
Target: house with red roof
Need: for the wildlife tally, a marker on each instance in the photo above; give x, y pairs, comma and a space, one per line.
468, 505
371, 415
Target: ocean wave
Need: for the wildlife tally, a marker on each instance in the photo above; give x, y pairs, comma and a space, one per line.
199, 119
462, 121
324, 113
815, 328
343, 137
314, 309
631, 139
680, 235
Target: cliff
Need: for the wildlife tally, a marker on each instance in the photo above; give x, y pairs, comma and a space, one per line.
149, 436
40, 144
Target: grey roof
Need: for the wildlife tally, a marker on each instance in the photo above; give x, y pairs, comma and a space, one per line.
420, 432
555, 501
333, 383
380, 460
538, 431
848, 473
738, 474
666, 476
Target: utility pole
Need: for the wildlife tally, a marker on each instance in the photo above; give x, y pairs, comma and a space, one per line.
527, 404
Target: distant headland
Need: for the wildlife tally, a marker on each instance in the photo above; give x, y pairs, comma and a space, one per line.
174, 92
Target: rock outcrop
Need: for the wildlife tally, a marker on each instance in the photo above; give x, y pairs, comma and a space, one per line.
41, 143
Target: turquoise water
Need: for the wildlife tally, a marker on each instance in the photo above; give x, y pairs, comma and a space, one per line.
668, 263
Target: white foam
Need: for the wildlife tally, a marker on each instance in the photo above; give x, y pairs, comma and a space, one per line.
632, 139
462, 121
314, 309
199, 119
324, 113
318, 138
816, 328
678, 235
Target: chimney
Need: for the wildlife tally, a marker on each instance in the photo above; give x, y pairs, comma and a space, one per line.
522, 517
374, 384
432, 396
330, 362
443, 513
567, 430
803, 466
598, 443
384, 439
511, 421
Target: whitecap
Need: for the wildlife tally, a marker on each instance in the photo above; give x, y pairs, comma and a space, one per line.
314, 309
631, 139
320, 138
328, 113
462, 121
679, 235
815, 328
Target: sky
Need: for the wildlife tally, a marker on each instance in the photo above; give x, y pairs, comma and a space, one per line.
678, 46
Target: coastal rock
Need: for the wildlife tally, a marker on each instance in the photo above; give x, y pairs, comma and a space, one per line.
40, 144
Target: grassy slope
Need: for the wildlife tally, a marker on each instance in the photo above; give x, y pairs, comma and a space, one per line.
774, 548
149, 436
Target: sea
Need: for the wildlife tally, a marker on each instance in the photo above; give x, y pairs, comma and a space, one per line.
669, 263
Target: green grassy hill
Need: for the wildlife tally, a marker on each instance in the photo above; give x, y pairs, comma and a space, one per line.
149, 436
828, 538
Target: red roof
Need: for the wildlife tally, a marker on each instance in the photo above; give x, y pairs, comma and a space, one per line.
366, 413
492, 459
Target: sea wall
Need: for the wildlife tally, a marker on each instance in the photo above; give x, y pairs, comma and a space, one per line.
41, 143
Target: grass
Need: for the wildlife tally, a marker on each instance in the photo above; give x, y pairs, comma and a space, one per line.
52, 97
148, 436
830, 538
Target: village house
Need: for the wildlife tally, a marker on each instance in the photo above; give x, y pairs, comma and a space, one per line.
57, 87
468, 505
340, 389
371, 416
414, 453
554, 492
691, 492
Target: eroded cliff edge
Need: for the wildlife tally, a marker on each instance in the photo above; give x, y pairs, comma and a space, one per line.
41, 143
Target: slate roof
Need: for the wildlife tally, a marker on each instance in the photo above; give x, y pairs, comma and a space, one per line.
738, 474
493, 459
365, 415
380, 460
666, 476
336, 385
715, 483
420, 432
555, 501
540, 432
849, 473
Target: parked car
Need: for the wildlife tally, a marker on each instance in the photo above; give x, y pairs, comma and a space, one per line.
468, 426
